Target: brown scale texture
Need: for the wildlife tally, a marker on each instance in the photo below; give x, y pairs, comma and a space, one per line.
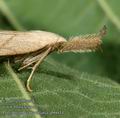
84, 43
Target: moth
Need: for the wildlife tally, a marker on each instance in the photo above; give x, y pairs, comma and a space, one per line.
31, 47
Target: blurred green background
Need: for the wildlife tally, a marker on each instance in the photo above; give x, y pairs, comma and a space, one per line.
70, 18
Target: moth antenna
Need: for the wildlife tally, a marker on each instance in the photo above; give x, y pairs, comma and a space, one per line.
85, 43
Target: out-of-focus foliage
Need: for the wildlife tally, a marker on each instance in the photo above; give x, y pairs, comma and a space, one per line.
69, 18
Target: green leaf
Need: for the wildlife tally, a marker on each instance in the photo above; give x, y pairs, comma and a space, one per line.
111, 9
3, 22
58, 16
12, 92
57, 88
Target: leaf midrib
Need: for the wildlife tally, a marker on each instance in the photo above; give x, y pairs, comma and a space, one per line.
25, 95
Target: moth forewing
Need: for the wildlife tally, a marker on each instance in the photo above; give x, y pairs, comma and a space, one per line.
15, 43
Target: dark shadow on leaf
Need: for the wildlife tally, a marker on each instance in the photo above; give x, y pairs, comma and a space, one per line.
58, 74
111, 61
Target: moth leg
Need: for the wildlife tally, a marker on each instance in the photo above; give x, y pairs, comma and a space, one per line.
31, 60
34, 68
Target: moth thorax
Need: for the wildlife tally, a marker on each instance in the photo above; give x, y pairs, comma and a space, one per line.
56, 46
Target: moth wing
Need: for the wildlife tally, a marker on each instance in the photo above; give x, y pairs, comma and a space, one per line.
15, 43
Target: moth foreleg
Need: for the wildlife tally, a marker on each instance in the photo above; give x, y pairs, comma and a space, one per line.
34, 68
31, 59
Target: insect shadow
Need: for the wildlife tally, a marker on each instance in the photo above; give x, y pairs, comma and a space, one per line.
58, 74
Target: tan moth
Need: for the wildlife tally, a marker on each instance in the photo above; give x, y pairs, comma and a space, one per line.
33, 46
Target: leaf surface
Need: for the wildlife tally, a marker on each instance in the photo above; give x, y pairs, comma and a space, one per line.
58, 88
61, 91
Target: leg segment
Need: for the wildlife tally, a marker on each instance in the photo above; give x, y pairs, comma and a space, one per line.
34, 68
